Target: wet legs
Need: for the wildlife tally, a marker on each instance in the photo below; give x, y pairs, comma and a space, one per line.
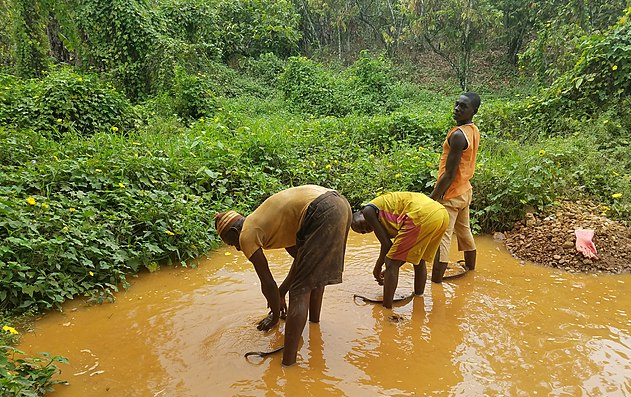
420, 278
315, 304
299, 305
438, 269
469, 259
295, 323
390, 281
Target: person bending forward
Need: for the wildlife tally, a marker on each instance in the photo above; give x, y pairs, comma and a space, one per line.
312, 223
409, 227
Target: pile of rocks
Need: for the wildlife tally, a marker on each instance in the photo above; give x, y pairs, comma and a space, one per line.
549, 240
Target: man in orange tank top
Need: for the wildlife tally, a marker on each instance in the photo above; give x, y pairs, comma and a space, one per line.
453, 189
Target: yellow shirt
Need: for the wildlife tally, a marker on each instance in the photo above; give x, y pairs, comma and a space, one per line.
275, 223
396, 207
465, 171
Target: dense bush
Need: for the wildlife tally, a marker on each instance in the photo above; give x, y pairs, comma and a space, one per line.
81, 214
367, 87
193, 96
65, 102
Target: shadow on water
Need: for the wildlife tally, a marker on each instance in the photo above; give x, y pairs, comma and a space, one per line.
504, 330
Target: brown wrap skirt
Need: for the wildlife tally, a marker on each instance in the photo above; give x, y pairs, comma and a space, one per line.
321, 243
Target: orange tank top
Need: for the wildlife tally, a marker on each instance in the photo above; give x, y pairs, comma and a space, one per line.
465, 171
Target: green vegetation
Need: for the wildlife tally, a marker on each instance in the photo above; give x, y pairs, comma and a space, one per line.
127, 125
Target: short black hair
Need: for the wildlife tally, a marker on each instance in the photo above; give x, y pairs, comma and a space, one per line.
475, 99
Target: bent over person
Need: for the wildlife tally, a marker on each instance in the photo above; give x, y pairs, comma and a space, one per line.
409, 227
311, 222
453, 189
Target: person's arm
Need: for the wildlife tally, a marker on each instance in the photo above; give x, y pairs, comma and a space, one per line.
457, 144
269, 289
370, 214
284, 286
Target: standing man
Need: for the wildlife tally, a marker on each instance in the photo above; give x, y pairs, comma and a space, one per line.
453, 189
409, 227
311, 222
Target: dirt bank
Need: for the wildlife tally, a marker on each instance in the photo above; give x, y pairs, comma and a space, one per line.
549, 240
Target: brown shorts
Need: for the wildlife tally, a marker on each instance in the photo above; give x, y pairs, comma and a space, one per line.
321, 243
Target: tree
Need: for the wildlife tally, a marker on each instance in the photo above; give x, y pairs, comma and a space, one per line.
453, 29
31, 44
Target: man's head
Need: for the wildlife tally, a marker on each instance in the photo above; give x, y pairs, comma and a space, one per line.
228, 226
359, 224
467, 105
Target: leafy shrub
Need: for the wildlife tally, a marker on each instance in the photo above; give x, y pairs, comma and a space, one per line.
309, 88
193, 95
267, 67
27, 377
365, 88
251, 27
374, 81
600, 77
66, 102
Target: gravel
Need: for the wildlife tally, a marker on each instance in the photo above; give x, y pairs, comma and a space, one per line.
549, 239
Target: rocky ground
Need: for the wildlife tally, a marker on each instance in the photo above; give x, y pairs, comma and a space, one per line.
549, 240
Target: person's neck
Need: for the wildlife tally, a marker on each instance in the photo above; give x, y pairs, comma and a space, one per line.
465, 122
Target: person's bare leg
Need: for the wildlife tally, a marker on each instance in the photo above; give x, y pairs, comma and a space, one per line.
390, 281
438, 269
315, 304
420, 278
469, 259
295, 324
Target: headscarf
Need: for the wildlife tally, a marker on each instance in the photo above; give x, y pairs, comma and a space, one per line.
223, 220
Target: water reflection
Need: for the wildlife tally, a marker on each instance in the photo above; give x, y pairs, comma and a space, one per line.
504, 330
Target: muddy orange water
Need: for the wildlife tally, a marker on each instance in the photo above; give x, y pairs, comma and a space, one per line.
507, 329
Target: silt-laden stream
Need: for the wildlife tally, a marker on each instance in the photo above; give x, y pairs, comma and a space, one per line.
505, 329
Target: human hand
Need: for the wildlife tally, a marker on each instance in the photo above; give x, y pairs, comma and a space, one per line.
584, 243
267, 323
377, 272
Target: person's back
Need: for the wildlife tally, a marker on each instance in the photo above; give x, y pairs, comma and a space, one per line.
395, 208
276, 221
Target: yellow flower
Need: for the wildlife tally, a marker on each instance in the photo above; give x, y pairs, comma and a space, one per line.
616, 195
114, 128
98, 170
45, 206
605, 121
397, 176
56, 158
31, 200
59, 120
71, 209
91, 274
121, 185
328, 166
420, 148
313, 164
614, 67
10, 330
170, 233
542, 152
